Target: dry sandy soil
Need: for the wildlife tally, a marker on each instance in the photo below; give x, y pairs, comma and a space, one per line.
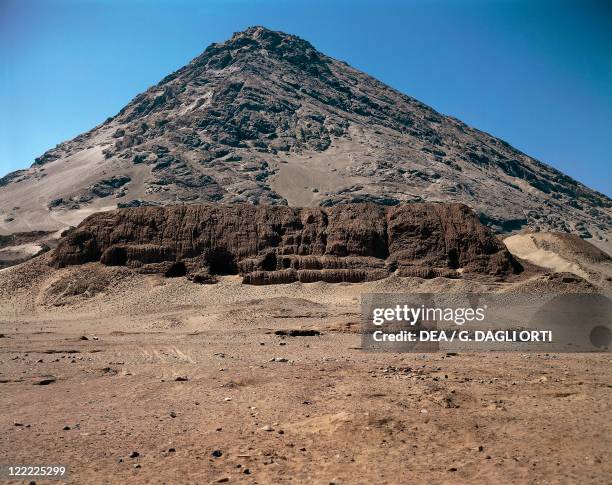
330, 413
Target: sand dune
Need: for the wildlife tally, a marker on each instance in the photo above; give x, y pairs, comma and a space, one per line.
563, 253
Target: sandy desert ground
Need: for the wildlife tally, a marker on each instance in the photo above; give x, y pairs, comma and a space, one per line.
90, 358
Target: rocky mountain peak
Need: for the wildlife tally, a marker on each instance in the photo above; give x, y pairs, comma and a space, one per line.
259, 37
251, 49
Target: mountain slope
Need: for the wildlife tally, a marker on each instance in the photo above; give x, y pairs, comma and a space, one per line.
266, 118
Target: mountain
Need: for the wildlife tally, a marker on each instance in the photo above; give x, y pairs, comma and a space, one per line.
265, 118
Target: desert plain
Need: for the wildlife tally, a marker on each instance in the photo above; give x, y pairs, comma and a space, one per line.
125, 377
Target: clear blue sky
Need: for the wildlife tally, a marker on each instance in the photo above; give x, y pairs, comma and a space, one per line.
537, 74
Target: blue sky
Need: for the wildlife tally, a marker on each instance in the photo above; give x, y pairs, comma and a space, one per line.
535, 73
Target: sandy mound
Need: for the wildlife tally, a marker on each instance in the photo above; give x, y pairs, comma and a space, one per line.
68, 286
563, 253
21, 246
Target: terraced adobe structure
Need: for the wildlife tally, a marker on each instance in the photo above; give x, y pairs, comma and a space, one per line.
279, 244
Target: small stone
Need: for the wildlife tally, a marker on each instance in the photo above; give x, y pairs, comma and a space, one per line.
171, 450
17, 424
83, 337
217, 453
172, 414
134, 454
481, 448
66, 428
223, 480
453, 469
136, 465
246, 471
267, 427
227, 399
424, 411
181, 379
44, 382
